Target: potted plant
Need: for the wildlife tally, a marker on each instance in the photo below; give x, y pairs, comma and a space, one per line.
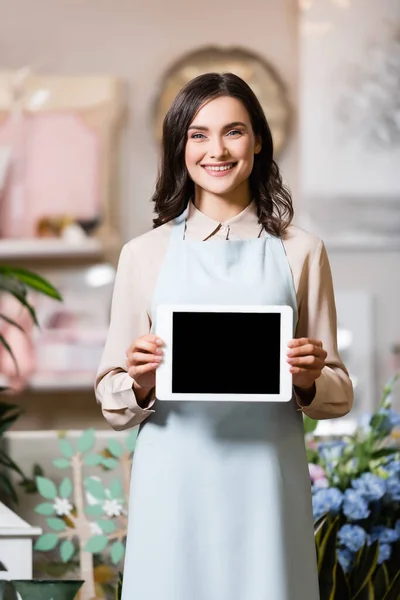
17, 282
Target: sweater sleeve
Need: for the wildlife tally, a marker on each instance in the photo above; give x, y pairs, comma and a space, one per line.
317, 319
129, 320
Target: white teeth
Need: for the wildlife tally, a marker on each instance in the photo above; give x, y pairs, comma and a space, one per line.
224, 168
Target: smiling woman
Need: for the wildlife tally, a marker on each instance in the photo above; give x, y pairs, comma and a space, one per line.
220, 143
220, 500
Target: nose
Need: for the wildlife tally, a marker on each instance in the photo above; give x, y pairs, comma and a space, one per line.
218, 149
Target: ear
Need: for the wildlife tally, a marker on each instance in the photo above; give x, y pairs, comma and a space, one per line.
257, 145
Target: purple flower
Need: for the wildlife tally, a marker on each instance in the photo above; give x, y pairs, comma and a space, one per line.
345, 558
397, 527
354, 505
393, 487
353, 537
385, 551
331, 451
370, 486
316, 472
326, 501
385, 535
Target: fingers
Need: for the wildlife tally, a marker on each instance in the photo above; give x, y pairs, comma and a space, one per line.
147, 343
309, 363
136, 371
306, 350
295, 343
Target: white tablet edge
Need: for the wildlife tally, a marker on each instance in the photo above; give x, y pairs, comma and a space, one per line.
164, 372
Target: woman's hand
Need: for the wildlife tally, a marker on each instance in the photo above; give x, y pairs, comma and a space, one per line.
307, 359
142, 360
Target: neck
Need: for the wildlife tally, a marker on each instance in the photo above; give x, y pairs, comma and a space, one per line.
221, 208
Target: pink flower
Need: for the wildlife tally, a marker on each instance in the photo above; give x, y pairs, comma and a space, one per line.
316, 472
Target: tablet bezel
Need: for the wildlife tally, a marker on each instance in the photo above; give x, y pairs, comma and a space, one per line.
163, 330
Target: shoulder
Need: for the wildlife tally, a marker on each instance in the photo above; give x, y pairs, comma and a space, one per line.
301, 245
151, 243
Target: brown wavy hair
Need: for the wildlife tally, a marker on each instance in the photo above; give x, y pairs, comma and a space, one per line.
174, 187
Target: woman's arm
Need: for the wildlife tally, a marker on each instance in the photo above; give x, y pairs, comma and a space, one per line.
333, 394
114, 388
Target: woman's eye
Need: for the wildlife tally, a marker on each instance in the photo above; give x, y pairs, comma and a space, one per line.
196, 136
235, 132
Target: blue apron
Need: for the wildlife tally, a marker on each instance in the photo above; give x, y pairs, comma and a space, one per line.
220, 501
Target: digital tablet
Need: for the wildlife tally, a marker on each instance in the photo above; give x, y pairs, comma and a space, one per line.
224, 353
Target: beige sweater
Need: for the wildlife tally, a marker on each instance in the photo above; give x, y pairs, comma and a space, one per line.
139, 264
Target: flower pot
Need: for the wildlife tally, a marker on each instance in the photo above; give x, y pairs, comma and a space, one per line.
50, 589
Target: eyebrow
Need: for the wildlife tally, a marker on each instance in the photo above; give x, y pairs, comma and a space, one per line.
228, 126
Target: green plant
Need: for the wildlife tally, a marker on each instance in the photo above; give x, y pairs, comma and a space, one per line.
17, 282
356, 496
366, 581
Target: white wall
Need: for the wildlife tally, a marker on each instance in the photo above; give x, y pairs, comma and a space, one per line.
138, 41
336, 163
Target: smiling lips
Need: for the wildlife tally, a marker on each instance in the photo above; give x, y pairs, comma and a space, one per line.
219, 170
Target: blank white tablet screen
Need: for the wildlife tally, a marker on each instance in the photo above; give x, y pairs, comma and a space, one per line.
226, 353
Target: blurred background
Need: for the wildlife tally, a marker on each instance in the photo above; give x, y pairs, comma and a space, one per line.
84, 86
83, 89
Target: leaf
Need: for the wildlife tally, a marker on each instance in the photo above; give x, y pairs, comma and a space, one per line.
310, 425
365, 564
66, 448
110, 463
342, 588
45, 509
7, 487
61, 463
7, 346
106, 525
86, 440
115, 489
115, 448
367, 593
94, 510
8, 462
393, 592
67, 550
96, 544
131, 439
18, 290
13, 323
56, 524
96, 488
381, 581
327, 562
66, 488
46, 542
46, 488
93, 460
117, 551
33, 281
318, 523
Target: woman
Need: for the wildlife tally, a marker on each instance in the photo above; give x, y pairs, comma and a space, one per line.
220, 503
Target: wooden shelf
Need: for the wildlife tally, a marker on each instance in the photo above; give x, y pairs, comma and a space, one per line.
28, 249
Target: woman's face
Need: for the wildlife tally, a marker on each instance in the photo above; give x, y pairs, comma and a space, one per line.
220, 146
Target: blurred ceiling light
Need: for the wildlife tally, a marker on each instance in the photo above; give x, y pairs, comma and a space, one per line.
345, 338
38, 99
100, 275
